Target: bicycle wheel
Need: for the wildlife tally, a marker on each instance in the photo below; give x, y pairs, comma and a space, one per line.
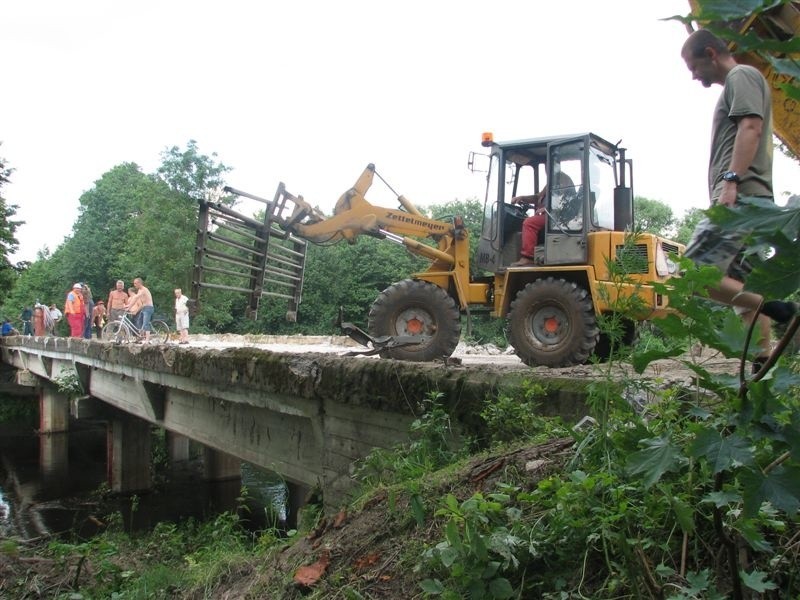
159, 332
115, 332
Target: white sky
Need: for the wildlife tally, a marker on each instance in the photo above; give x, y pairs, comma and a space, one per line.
309, 92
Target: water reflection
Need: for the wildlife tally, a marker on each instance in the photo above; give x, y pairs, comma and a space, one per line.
50, 483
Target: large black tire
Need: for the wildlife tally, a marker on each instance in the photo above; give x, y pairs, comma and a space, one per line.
552, 323
630, 334
412, 307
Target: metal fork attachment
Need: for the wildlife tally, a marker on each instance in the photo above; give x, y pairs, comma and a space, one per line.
237, 253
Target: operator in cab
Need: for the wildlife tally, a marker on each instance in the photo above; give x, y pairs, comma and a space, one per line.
532, 225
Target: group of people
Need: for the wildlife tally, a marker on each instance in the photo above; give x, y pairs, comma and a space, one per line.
83, 314
137, 302
39, 321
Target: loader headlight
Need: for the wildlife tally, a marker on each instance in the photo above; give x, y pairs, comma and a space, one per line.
664, 266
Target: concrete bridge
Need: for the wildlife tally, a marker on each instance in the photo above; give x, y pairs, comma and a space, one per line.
305, 415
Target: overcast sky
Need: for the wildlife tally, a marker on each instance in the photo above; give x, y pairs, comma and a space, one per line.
309, 92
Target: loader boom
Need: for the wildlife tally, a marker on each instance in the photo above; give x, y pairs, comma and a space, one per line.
354, 215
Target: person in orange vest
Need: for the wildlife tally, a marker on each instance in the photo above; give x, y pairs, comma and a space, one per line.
74, 311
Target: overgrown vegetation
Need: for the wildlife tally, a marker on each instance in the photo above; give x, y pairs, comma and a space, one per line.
692, 494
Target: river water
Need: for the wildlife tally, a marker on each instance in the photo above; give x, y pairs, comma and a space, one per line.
55, 484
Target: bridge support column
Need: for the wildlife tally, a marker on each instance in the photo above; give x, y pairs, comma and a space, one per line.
177, 448
218, 466
53, 410
129, 454
296, 497
54, 456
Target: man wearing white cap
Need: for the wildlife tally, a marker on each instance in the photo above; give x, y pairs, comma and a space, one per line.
74, 310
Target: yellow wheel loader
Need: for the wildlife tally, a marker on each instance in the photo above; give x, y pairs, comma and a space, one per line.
552, 306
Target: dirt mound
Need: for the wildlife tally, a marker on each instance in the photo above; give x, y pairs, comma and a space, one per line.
374, 549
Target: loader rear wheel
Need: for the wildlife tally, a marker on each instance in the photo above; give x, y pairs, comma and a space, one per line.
412, 307
552, 323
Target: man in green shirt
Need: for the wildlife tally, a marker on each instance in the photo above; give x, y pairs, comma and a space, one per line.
740, 164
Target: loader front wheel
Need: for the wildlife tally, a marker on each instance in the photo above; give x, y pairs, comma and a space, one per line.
416, 308
552, 323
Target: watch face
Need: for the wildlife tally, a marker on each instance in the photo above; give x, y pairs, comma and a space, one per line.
730, 176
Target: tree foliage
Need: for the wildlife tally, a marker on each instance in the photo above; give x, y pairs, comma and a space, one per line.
686, 225
130, 224
653, 216
190, 173
8, 240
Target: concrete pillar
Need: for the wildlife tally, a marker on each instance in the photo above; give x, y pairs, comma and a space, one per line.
53, 410
219, 465
177, 448
129, 454
54, 456
296, 498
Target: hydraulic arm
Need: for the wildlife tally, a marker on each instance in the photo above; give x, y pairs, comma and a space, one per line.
354, 215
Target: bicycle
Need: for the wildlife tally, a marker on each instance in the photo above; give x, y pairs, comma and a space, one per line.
125, 330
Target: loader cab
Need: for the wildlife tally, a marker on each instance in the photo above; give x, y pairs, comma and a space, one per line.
586, 173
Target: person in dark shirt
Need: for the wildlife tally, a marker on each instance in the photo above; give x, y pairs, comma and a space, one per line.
25, 317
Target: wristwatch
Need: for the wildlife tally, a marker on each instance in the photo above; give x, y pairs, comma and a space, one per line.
730, 176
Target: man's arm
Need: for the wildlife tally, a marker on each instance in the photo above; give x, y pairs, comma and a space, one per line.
748, 135
534, 200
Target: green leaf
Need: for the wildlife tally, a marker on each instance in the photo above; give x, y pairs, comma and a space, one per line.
684, 514
753, 533
757, 581
783, 380
724, 498
418, 509
640, 360
788, 66
776, 227
448, 556
500, 588
433, 587
732, 337
452, 534
780, 487
722, 452
490, 570
714, 10
477, 544
779, 275
663, 570
698, 582
658, 457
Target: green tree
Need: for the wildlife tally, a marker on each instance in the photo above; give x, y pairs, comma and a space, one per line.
166, 234
653, 216
8, 240
130, 224
190, 173
686, 225
107, 214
